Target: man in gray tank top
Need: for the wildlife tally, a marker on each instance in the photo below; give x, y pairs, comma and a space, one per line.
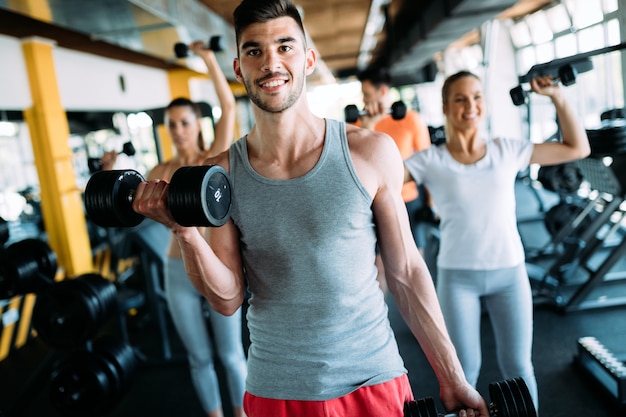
312, 199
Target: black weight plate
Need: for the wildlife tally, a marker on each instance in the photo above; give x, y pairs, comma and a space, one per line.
215, 43
498, 401
423, 408
39, 251
351, 113
59, 320
398, 110
517, 402
200, 196
121, 355
80, 386
527, 406
180, 50
108, 198
430, 407
512, 400
72, 311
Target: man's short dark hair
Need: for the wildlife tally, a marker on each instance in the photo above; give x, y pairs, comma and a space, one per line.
377, 76
261, 11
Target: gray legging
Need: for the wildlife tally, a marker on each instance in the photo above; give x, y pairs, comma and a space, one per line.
507, 298
186, 308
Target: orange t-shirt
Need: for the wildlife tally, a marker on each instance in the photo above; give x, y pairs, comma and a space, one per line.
411, 135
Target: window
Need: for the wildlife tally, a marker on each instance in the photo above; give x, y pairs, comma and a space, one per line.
585, 12
593, 26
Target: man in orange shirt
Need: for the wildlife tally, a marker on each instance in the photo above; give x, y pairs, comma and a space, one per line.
410, 134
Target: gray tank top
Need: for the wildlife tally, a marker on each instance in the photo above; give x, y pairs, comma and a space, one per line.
318, 322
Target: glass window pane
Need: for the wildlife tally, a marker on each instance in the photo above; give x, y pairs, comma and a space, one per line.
590, 39
558, 18
612, 32
526, 58
545, 52
520, 35
585, 12
609, 6
565, 45
539, 27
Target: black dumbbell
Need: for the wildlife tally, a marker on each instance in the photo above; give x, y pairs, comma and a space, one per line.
197, 196
510, 398
181, 50
95, 164
566, 74
27, 266
92, 382
352, 112
74, 310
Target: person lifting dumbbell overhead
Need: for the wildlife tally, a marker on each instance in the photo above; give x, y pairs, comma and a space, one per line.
319, 328
183, 121
481, 257
196, 195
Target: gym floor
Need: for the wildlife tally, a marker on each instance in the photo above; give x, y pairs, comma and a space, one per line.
163, 387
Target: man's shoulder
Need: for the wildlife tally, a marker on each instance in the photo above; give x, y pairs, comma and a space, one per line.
358, 133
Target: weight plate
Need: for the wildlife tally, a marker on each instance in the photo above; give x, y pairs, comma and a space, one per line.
180, 50
523, 399
73, 311
79, 387
498, 401
351, 113
398, 110
200, 196
431, 410
108, 198
415, 411
39, 251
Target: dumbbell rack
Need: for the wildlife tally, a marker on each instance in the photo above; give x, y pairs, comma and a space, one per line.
602, 364
575, 258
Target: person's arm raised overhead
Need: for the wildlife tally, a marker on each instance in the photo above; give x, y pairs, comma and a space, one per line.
225, 127
575, 143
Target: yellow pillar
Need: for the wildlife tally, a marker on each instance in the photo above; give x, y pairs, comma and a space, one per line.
37, 9
62, 205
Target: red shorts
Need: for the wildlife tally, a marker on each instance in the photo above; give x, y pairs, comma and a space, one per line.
382, 400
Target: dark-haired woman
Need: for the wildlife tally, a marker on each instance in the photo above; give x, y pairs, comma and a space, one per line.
186, 305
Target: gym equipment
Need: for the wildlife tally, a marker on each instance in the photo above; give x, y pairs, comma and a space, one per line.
352, 112
181, 50
27, 266
600, 363
595, 243
72, 311
562, 213
197, 196
510, 398
91, 382
95, 164
609, 139
564, 69
561, 179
